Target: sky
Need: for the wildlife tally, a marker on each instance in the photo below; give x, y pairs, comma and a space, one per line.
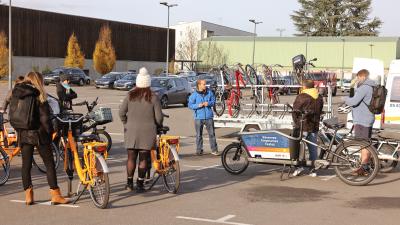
233, 13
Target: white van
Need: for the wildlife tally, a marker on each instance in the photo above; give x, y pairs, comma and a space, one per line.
391, 116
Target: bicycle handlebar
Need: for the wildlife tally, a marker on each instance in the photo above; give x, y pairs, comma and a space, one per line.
70, 120
80, 103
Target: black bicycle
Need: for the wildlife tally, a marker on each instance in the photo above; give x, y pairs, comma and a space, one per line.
282, 147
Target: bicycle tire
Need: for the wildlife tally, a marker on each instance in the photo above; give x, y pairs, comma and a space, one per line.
106, 138
234, 148
251, 75
388, 165
175, 169
351, 179
5, 166
100, 190
38, 161
219, 106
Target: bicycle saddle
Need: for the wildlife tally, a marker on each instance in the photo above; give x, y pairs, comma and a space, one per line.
333, 123
87, 138
163, 130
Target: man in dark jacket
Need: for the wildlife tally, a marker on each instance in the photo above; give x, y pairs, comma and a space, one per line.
311, 102
65, 93
201, 102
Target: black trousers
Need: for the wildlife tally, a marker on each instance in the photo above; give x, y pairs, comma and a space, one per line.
46, 153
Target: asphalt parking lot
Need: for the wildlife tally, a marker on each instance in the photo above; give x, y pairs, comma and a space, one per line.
208, 194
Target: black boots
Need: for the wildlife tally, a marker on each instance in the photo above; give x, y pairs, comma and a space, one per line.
129, 184
140, 185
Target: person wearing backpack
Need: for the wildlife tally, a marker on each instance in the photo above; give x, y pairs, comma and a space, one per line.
363, 118
30, 116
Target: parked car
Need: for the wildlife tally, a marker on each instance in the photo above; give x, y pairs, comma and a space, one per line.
187, 73
107, 81
321, 81
171, 90
76, 76
126, 83
345, 86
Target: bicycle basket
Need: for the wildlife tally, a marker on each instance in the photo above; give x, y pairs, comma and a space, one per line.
102, 115
299, 61
77, 128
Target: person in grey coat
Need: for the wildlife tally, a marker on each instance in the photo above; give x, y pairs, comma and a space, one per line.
363, 118
141, 114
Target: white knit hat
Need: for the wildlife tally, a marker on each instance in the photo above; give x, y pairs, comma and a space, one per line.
143, 79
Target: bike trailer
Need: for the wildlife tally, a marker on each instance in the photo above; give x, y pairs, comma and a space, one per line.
275, 144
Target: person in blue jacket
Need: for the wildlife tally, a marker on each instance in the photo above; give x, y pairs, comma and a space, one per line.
201, 102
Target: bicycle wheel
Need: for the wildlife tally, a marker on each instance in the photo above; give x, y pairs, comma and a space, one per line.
234, 159
171, 177
38, 161
219, 106
349, 155
5, 166
234, 105
105, 137
389, 150
100, 189
251, 75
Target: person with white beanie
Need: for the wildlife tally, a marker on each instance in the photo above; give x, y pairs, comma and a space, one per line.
141, 114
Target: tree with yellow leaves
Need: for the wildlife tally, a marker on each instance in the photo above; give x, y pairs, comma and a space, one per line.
3, 55
104, 53
75, 57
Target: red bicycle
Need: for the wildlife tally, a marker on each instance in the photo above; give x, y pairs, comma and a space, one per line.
235, 93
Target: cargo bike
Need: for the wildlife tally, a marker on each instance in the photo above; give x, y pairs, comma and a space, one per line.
281, 147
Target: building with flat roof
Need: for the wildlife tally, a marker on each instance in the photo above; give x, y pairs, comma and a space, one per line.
332, 53
39, 39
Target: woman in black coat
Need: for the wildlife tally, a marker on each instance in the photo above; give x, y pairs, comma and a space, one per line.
40, 138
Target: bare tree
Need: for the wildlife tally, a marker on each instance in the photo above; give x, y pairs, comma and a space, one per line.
211, 54
187, 48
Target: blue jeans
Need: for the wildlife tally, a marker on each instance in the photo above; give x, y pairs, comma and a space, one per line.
312, 149
199, 124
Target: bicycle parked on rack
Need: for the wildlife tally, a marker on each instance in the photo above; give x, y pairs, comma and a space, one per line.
90, 166
165, 160
270, 77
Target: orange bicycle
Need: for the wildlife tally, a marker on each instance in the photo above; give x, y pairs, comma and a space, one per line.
9, 149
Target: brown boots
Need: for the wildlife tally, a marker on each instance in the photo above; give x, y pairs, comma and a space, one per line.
56, 197
29, 196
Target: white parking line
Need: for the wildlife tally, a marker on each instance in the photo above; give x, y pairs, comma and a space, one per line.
326, 178
202, 167
47, 203
223, 220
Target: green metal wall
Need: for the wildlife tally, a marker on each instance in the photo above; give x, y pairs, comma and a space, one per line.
328, 50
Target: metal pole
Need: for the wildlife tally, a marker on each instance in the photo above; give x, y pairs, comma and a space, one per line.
9, 48
341, 80
371, 45
254, 42
166, 61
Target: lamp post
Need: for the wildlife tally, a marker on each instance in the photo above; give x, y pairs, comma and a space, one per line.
167, 59
280, 30
254, 37
341, 80
371, 45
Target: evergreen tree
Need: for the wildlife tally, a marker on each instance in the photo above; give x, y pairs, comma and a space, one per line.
75, 57
104, 53
335, 18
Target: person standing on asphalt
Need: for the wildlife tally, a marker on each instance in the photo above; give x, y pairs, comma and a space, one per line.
65, 93
201, 102
141, 114
39, 135
312, 102
363, 118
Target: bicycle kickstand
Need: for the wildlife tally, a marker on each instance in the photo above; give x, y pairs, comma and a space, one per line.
154, 181
80, 194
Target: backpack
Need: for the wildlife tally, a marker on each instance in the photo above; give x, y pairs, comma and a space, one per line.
378, 99
54, 105
24, 113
